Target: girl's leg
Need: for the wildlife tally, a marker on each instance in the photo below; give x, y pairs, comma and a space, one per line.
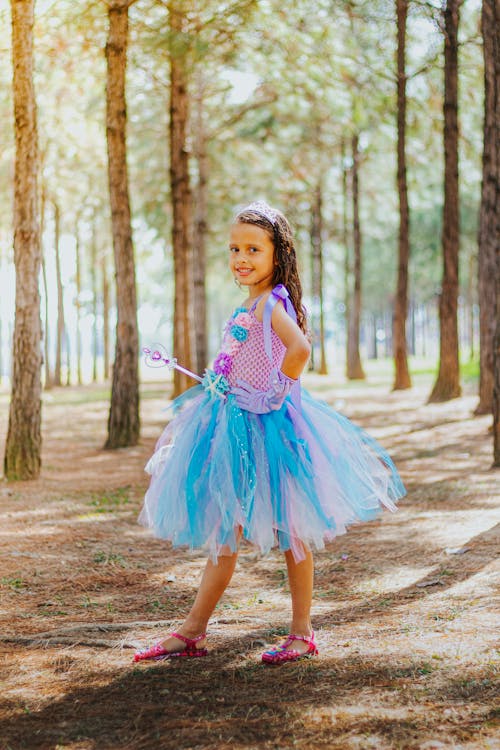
300, 578
214, 582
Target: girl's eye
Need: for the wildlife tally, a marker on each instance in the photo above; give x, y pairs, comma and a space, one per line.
253, 250
233, 249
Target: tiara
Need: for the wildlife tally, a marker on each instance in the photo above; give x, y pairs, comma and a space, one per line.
263, 209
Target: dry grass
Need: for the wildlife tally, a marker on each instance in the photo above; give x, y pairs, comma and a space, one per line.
406, 627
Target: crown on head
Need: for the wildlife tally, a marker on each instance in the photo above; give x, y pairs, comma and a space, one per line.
262, 208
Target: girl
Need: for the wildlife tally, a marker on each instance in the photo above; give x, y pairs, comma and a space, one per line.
252, 454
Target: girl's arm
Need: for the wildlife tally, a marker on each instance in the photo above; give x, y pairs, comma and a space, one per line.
298, 348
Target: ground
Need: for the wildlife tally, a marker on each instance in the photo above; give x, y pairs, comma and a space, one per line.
404, 606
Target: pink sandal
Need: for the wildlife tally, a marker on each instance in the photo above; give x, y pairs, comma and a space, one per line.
158, 653
281, 654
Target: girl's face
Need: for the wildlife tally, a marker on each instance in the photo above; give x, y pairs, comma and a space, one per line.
251, 257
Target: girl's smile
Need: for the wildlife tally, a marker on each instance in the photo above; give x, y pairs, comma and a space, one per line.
251, 257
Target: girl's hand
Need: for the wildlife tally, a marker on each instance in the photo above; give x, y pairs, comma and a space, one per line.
262, 402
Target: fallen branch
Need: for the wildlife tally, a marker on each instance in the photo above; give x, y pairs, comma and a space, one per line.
36, 640
102, 627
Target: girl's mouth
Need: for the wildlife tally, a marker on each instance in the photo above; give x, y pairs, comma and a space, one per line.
243, 271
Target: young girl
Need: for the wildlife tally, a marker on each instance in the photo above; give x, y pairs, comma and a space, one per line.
251, 454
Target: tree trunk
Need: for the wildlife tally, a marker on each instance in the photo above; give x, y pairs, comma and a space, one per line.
22, 458
93, 283
317, 272
105, 317
60, 301
470, 306
354, 370
402, 378
181, 205
78, 304
496, 385
46, 332
200, 229
488, 235
345, 240
447, 385
123, 422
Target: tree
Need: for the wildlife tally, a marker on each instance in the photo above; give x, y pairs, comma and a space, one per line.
447, 385
317, 272
123, 422
354, 368
488, 234
23, 447
181, 199
401, 373
61, 327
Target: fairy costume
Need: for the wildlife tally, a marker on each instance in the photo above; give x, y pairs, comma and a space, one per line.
302, 473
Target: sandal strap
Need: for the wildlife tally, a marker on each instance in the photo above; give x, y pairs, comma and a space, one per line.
190, 642
309, 639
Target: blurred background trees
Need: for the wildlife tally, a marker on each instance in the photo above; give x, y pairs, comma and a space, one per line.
307, 105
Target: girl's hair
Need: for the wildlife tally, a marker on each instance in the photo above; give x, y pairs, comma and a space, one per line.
285, 270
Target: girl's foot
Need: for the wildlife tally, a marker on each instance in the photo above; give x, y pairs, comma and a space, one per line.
293, 648
177, 645
177, 642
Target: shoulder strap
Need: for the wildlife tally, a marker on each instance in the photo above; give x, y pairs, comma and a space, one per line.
255, 302
279, 292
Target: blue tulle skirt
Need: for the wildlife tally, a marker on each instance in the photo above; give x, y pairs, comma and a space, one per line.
287, 478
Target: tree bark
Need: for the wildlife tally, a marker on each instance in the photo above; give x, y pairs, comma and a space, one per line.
78, 304
46, 333
488, 234
317, 273
105, 317
22, 458
354, 370
402, 378
496, 385
60, 330
123, 422
345, 240
181, 204
447, 385
93, 283
200, 229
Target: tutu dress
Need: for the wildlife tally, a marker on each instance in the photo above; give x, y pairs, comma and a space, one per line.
302, 473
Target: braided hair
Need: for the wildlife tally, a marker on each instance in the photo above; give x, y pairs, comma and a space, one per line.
285, 270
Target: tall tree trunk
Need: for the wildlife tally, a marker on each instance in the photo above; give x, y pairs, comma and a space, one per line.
93, 284
496, 386
78, 304
345, 239
22, 458
181, 203
49, 382
60, 300
402, 378
470, 306
105, 317
488, 235
317, 272
447, 385
67, 344
354, 370
200, 229
123, 422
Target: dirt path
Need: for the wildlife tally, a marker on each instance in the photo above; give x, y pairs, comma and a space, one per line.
404, 606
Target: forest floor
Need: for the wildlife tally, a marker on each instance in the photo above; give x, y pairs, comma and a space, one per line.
404, 607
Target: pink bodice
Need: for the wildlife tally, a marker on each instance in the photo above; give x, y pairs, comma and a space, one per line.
250, 362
